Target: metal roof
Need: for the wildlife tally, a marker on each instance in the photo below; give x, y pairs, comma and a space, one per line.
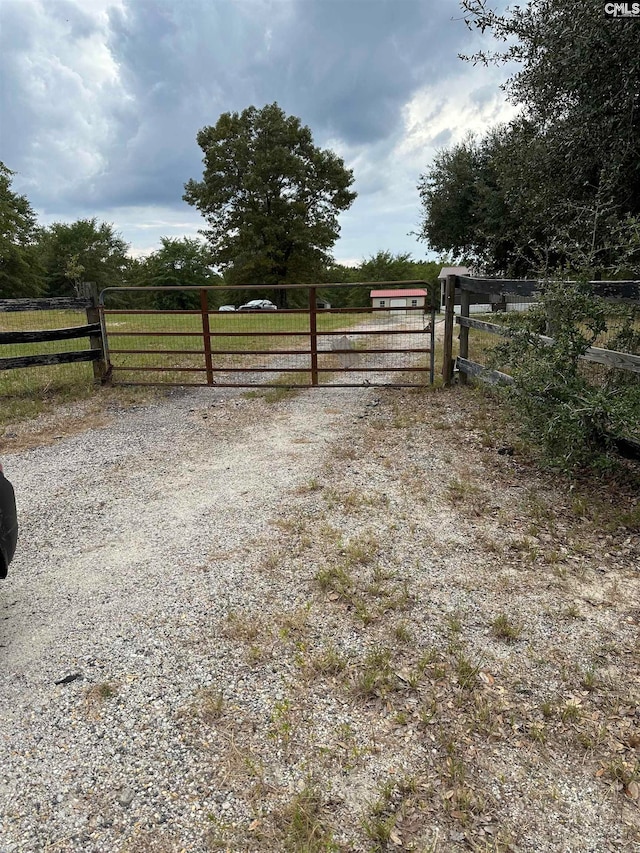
394, 294
445, 271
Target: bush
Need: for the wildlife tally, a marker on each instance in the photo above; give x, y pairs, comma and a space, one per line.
575, 421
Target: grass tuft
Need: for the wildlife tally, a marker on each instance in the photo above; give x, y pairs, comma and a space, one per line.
504, 629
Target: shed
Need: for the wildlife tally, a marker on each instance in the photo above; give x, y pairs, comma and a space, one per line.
399, 300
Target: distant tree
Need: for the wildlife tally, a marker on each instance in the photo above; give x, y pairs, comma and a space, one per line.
179, 262
385, 266
270, 197
339, 274
82, 251
183, 262
135, 272
20, 271
336, 273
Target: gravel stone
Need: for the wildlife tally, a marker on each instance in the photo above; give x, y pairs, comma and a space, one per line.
125, 797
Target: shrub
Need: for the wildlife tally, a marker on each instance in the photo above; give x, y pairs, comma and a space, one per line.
575, 421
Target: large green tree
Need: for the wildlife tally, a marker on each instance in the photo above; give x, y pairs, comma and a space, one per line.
81, 251
270, 197
493, 202
561, 184
20, 271
450, 199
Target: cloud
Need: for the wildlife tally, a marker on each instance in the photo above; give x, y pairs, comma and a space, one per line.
181, 65
59, 96
348, 66
433, 118
101, 102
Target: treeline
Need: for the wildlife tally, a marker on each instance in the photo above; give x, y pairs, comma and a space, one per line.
56, 260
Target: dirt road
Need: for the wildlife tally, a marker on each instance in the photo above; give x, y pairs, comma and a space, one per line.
333, 618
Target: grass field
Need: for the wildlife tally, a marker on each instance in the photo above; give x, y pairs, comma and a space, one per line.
268, 341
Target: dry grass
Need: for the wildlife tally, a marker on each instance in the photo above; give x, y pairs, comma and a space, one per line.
478, 646
41, 420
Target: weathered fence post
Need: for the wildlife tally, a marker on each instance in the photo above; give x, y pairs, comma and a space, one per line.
449, 301
465, 303
90, 291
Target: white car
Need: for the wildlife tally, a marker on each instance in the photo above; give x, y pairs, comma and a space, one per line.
227, 308
258, 305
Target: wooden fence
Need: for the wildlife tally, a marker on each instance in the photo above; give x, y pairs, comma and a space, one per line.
91, 330
497, 289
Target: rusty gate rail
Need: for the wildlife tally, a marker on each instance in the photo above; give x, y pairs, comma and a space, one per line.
369, 345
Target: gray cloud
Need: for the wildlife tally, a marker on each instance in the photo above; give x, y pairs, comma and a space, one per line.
180, 65
18, 116
442, 139
350, 66
80, 24
100, 103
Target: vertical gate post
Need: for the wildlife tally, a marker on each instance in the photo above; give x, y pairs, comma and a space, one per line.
206, 335
449, 301
432, 345
313, 334
90, 289
465, 303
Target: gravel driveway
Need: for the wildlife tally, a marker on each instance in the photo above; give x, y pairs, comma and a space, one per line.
227, 613
133, 537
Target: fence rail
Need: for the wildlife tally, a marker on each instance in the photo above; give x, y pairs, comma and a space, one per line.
11, 363
491, 377
37, 337
599, 355
57, 303
613, 291
91, 330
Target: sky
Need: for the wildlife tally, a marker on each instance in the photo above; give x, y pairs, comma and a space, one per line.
101, 101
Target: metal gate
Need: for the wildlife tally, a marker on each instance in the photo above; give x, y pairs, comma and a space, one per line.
183, 336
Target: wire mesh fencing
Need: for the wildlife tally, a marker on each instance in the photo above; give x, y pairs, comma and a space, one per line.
259, 344
38, 345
